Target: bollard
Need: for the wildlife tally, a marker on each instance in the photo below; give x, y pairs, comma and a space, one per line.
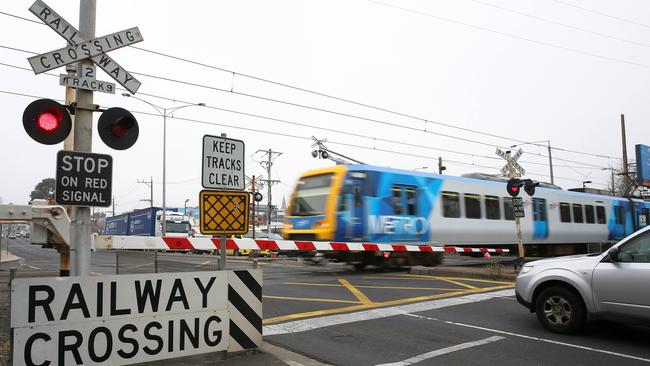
254, 263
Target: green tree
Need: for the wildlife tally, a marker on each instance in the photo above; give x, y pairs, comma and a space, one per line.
44, 189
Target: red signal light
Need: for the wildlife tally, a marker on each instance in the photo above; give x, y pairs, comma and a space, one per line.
513, 186
48, 121
515, 189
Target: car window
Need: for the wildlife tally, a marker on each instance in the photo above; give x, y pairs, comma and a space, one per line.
637, 250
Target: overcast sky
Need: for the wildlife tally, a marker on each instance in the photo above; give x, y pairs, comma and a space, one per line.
526, 70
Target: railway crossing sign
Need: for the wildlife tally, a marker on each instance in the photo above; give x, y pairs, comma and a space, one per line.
80, 49
224, 212
511, 162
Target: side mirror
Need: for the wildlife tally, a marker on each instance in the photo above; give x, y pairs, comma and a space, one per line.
613, 254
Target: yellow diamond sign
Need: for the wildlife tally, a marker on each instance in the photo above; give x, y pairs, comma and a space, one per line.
224, 212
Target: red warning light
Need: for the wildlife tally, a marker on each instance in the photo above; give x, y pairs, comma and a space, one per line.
48, 121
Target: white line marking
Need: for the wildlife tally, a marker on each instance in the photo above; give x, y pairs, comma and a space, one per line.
326, 321
552, 341
32, 267
444, 351
534, 338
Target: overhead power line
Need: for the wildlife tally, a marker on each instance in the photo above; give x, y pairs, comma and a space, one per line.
340, 143
425, 120
569, 26
365, 136
602, 14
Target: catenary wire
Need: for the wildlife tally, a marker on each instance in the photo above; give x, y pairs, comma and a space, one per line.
339, 98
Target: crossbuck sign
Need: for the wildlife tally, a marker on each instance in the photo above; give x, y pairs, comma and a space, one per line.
511, 164
80, 49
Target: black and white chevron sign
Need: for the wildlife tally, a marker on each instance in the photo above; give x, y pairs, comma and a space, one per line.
245, 308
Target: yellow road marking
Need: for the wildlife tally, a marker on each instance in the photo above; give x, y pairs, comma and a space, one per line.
204, 263
96, 273
458, 279
374, 287
428, 278
346, 309
309, 299
358, 294
141, 265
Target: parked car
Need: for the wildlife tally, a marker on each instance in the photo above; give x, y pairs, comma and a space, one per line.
565, 292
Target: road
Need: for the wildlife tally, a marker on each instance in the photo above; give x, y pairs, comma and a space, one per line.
344, 317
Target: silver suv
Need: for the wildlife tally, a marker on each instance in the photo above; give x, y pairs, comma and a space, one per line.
565, 291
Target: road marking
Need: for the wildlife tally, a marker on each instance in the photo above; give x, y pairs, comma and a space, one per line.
446, 279
373, 287
438, 301
444, 351
141, 265
425, 277
309, 299
96, 274
32, 267
355, 291
533, 338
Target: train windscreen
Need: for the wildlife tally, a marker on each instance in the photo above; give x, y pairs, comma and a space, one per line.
311, 195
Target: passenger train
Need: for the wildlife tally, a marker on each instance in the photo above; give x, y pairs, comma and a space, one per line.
377, 205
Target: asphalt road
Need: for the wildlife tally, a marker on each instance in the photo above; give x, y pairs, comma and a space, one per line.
343, 317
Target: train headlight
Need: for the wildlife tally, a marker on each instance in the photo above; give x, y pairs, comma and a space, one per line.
288, 226
322, 224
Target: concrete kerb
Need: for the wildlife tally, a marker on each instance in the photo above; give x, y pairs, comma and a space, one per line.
9, 261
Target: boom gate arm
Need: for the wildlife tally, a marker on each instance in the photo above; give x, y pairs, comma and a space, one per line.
49, 224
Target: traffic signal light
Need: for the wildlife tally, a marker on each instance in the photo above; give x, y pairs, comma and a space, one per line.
47, 121
529, 187
514, 186
118, 128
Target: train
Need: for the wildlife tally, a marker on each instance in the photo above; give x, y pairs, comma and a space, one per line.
365, 203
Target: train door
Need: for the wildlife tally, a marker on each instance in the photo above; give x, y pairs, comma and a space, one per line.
357, 213
540, 219
643, 215
619, 222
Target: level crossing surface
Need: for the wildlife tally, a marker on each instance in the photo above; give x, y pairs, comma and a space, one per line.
339, 316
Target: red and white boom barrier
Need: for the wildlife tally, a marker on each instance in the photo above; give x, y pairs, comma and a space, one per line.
172, 243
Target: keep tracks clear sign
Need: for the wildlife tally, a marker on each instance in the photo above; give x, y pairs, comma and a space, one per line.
118, 320
223, 163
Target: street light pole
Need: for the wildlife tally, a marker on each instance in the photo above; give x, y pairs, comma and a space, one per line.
165, 112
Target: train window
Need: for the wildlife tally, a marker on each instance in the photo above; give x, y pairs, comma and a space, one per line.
450, 204
507, 209
410, 202
589, 214
577, 213
398, 207
600, 214
492, 211
472, 206
565, 212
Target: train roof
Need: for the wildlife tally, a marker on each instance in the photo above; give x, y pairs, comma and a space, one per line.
478, 178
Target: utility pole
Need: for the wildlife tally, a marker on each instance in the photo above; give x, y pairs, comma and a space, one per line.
150, 185
550, 161
440, 166
268, 164
113, 201
80, 230
626, 173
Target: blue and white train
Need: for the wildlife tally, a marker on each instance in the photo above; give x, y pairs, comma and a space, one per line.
374, 204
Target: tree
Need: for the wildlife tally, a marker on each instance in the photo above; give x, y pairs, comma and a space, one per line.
44, 190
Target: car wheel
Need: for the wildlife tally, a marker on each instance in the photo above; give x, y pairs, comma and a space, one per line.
560, 310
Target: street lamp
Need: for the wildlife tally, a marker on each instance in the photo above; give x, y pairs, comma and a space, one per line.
164, 112
584, 183
550, 159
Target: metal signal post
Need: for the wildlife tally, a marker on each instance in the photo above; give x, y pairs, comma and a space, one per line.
510, 170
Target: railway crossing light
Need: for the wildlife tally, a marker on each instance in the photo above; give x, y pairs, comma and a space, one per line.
47, 121
322, 153
529, 187
258, 197
514, 186
118, 128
